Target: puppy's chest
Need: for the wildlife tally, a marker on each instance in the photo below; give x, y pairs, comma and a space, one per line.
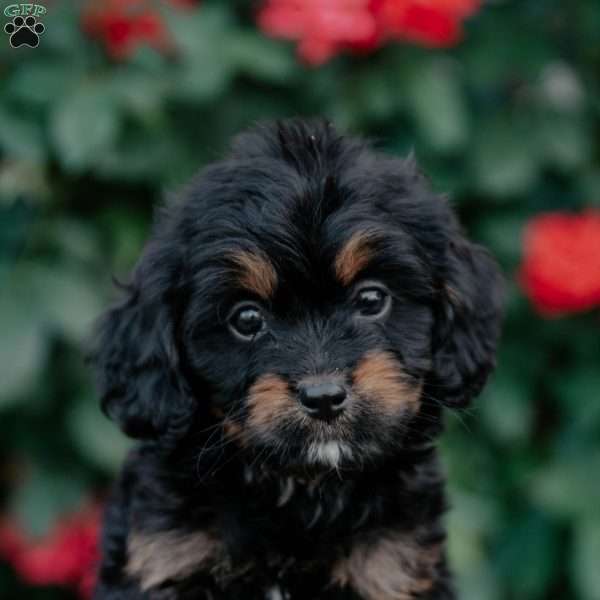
280, 539
203, 566
296, 524
316, 508
289, 539
384, 565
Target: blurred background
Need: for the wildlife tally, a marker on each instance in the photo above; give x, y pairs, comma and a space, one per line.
123, 100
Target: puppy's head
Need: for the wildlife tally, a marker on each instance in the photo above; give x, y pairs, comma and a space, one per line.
309, 296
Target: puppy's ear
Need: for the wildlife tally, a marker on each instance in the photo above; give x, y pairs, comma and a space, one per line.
136, 359
468, 322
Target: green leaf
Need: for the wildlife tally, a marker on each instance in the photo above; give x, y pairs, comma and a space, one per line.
140, 93
565, 141
578, 392
73, 239
23, 348
21, 138
262, 58
585, 559
70, 301
471, 519
534, 537
568, 486
128, 232
506, 407
44, 496
140, 157
64, 35
83, 126
504, 159
23, 181
588, 187
437, 102
479, 584
98, 439
502, 234
43, 82
38, 300
206, 66
57, 298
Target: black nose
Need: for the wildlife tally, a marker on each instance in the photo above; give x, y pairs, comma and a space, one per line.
323, 400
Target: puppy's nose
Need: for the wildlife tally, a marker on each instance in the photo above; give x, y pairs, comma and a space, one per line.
324, 400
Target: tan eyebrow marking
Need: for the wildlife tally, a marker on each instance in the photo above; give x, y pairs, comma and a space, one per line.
255, 273
354, 256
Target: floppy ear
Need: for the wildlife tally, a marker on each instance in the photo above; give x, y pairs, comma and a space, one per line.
468, 323
136, 359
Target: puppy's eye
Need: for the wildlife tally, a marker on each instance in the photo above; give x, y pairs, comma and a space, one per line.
247, 321
372, 302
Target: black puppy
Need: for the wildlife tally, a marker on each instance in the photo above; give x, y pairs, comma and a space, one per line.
287, 344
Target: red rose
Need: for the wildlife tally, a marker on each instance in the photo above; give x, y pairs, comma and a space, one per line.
427, 22
123, 29
12, 541
67, 556
324, 28
124, 25
561, 264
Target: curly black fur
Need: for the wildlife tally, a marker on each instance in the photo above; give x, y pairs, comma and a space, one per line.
232, 491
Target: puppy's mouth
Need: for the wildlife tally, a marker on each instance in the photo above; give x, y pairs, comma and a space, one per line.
332, 421
294, 441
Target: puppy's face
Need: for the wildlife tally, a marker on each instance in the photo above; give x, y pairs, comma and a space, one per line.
316, 343
310, 297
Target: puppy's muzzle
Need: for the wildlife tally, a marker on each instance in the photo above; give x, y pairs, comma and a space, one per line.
323, 400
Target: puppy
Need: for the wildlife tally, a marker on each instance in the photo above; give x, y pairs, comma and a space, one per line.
284, 351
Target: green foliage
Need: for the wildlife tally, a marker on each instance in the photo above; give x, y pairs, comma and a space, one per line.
508, 123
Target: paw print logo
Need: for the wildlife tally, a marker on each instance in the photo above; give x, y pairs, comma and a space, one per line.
24, 32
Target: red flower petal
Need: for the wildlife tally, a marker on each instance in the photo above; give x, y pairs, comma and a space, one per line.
561, 264
286, 20
149, 26
12, 541
426, 25
324, 28
67, 556
123, 25
315, 51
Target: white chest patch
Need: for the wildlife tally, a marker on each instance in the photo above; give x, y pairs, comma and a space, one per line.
275, 593
329, 453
